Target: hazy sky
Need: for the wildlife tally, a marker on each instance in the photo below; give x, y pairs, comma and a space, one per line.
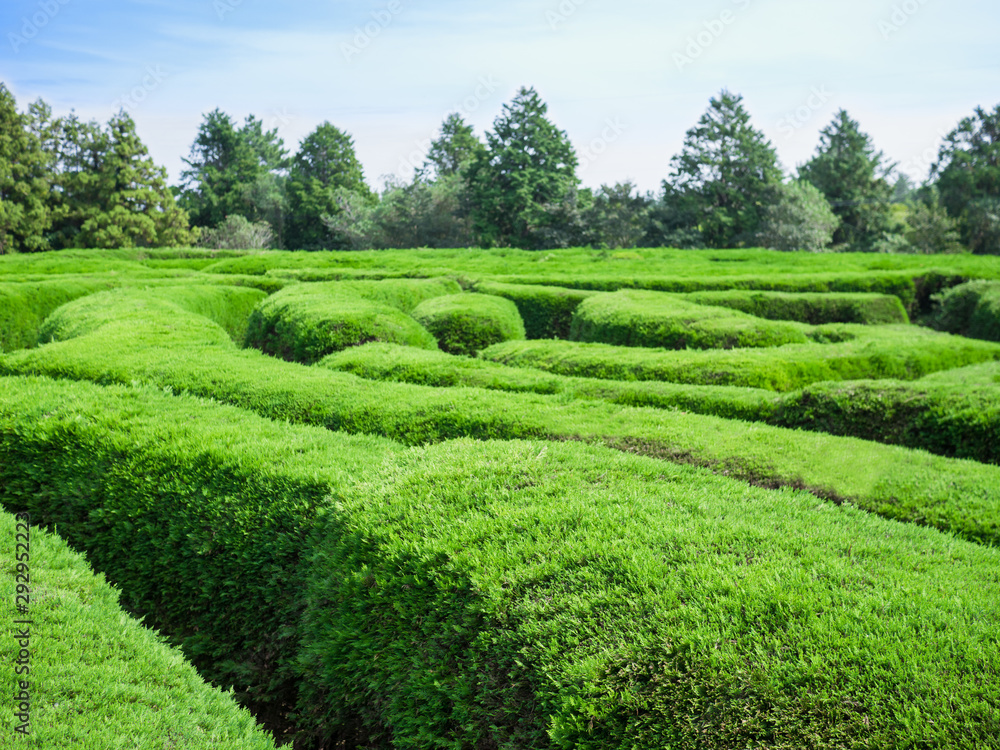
624, 78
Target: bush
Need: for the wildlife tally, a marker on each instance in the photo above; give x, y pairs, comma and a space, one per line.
547, 311
900, 352
949, 420
467, 323
305, 322
810, 308
971, 309
181, 352
97, 675
508, 594
238, 233
651, 319
400, 364
24, 306
799, 219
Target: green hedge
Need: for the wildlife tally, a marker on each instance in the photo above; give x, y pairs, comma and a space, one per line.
467, 323
949, 420
389, 362
971, 310
651, 319
877, 352
98, 678
511, 595
547, 311
198, 513
810, 308
187, 353
24, 306
305, 322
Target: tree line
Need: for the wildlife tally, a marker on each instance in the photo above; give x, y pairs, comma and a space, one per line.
68, 183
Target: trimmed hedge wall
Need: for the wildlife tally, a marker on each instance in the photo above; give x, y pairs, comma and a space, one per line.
389, 362
99, 678
182, 352
468, 323
971, 310
547, 311
24, 306
305, 322
899, 352
810, 308
516, 594
651, 319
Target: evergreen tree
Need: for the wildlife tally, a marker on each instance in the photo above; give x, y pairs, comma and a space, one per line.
725, 176
111, 192
25, 180
854, 178
324, 169
523, 185
453, 150
618, 216
967, 174
234, 171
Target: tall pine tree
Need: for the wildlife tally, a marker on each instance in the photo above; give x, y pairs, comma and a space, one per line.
854, 177
25, 182
524, 179
725, 176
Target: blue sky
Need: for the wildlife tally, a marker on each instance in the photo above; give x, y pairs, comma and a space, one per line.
624, 78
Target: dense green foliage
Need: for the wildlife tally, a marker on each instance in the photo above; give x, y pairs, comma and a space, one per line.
160, 343
853, 177
971, 309
551, 593
968, 177
25, 210
653, 319
98, 677
305, 322
811, 308
547, 311
525, 600
468, 323
724, 176
949, 419
522, 177
439, 370
800, 218
24, 306
879, 352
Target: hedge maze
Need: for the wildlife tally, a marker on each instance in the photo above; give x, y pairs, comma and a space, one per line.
497, 499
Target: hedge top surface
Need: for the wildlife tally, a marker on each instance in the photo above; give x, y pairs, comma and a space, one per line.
654, 319
467, 323
810, 307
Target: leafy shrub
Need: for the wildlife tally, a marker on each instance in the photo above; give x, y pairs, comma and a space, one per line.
651, 319
949, 420
305, 322
182, 352
238, 233
508, 594
800, 218
900, 352
547, 311
24, 306
100, 675
971, 309
810, 308
467, 323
